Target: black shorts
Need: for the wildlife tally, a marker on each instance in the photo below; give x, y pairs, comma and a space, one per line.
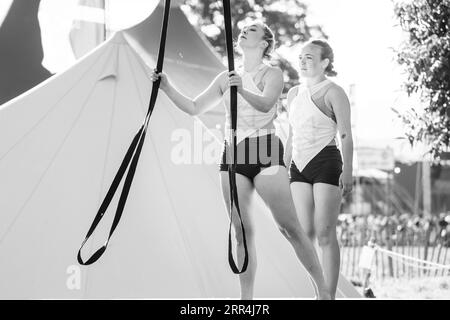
254, 154
325, 167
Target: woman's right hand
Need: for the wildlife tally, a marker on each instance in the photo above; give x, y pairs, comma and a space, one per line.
164, 84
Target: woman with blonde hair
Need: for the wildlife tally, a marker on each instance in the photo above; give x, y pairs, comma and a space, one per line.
318, 109
260, 163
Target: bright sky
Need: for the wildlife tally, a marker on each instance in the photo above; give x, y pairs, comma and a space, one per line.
4, 6
56, 17
362, 33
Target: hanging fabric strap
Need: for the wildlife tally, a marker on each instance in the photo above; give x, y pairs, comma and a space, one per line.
232, 166
130, 160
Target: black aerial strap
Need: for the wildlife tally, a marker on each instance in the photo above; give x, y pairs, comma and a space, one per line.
132, 156
232, 166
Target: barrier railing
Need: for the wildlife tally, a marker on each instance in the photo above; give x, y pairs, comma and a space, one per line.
394, 252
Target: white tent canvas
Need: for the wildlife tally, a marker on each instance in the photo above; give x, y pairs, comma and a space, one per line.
61, 145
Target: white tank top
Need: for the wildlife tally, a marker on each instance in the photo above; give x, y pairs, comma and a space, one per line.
312, 130
249, 119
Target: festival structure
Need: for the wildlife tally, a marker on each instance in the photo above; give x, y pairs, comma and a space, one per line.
61, 145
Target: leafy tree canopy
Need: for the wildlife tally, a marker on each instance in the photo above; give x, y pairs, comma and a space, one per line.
286, 18
425, 57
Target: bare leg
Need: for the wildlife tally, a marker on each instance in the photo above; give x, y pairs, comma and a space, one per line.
245, 190
302, 194
327, 200
275, 191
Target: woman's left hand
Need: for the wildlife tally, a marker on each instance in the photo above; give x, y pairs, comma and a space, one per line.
346, 183
234, 79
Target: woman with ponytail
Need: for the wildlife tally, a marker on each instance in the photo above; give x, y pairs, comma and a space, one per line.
318, 109
260, 163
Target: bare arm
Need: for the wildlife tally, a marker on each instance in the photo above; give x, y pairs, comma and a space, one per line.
202, 103
288, 148
273, 86
338, 100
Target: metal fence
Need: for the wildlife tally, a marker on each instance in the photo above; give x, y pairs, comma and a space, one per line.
404, 247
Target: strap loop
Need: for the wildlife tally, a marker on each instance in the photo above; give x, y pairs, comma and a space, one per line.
232, 167
132, 155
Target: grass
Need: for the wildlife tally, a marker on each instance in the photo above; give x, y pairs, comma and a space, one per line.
408, 283
434, 288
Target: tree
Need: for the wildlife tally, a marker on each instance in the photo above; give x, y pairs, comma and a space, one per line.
287, 18
425, 56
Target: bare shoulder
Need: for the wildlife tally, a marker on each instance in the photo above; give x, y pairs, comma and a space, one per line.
293, 91
290, 95
335, 93
221, 77
221, 80
274, 72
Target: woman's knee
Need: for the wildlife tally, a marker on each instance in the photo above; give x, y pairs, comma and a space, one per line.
290, 231
310, 233
326, 238
307, 231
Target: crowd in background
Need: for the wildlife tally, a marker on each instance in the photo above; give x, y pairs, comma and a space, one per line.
404, 229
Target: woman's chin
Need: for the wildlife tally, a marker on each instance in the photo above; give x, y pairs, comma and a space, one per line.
240, 45
304, 74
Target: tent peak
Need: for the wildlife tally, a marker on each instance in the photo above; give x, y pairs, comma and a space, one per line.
118, 38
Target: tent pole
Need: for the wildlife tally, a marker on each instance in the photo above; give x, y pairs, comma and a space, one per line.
105, 27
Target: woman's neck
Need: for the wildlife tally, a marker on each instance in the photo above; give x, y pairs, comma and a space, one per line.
312, 81
251, 60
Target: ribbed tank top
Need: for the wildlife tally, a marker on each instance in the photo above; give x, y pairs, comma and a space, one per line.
249, 119
312, 130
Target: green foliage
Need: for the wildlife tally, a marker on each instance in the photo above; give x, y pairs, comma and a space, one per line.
425, 57
286, 18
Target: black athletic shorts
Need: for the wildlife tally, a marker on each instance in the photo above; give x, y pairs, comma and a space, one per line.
254, 154
325, 167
